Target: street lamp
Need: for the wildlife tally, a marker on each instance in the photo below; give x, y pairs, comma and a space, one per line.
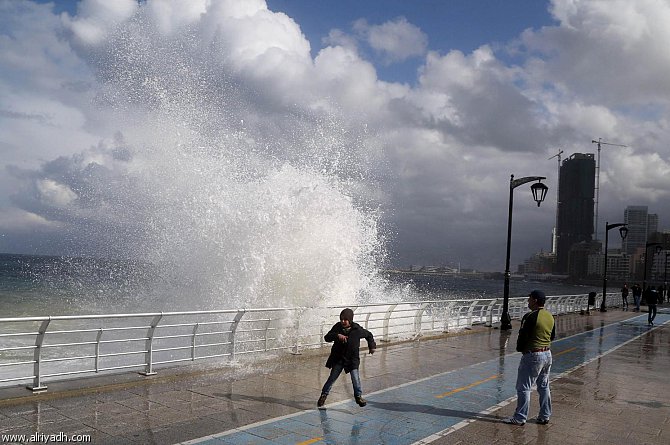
665, 274
644, 276
623, 231
539, 191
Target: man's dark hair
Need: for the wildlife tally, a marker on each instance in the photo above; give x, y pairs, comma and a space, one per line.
347, 314
538, 296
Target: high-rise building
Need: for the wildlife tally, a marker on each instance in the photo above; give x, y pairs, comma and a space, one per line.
652, 224
576, 185
641, 224
618, 265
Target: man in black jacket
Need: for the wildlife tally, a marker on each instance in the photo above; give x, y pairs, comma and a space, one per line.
346, 337
652, 299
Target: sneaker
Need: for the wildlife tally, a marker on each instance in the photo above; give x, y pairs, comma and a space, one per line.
513, 421
322, 400
361, 401
542, 421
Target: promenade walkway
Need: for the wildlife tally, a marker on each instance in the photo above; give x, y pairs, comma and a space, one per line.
611, 385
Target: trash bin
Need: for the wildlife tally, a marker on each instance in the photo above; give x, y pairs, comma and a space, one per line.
592, 298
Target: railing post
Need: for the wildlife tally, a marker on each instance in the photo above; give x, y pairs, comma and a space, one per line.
322, 342
367, 319
447, 316
193, 342
470, 310
267, 336
499, 308
387, 319
37, 356
233, 329
418, 318
97, 350
149, 347
489, 313
296, 345
514, 308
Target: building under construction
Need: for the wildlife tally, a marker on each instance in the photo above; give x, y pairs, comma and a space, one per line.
574, 229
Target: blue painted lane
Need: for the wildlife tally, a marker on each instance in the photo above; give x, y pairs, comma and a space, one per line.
414, 411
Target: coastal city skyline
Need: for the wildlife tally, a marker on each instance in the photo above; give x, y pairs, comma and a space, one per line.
400, 122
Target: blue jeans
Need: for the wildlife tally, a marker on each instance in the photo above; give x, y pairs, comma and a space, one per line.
636, 299
335, 372
533, 368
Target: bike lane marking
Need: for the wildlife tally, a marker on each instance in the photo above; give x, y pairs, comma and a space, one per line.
424, 410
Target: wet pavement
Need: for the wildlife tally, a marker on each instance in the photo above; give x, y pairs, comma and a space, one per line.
610, 382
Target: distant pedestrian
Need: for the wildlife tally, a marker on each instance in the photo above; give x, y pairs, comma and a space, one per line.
661, 293
637, 296
624, 297
344, 355
651, 296
534, 342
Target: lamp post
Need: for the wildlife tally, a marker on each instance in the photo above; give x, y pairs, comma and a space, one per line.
623, 231
644, 275
539, 191
665, 274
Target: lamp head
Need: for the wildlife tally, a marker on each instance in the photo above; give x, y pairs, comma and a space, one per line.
623, 231
539, 191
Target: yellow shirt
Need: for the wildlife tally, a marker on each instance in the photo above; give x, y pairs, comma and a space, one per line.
537, 330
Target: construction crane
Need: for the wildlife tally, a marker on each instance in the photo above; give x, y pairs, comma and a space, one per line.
554, 235
600, 142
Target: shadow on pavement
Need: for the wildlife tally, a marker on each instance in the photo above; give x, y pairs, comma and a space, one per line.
410, 407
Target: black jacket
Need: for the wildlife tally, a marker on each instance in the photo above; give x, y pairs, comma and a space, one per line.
348, 351
651, 296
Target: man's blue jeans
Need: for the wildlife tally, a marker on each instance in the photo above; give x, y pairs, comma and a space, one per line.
533, 368
335, 372
637, 298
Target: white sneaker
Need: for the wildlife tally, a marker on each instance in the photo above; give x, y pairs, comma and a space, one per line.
513, 421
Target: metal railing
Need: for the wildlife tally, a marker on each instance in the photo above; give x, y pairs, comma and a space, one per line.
36, 349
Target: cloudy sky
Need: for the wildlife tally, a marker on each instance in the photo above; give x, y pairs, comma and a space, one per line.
391, 126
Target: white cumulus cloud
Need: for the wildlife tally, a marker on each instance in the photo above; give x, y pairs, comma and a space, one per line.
395, 40
200, 97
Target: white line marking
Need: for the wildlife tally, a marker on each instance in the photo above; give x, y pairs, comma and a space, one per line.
458, 426
402, 385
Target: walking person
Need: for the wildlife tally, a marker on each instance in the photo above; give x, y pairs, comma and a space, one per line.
624, 297
661, 293
637, 296
652, 299
344, 356
534, 342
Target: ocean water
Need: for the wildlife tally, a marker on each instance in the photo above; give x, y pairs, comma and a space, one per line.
42, 285
47, 285
426, 286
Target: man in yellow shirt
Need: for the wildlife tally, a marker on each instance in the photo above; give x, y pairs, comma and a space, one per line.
534, 342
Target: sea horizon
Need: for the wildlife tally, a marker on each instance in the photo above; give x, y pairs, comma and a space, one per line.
37, 285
